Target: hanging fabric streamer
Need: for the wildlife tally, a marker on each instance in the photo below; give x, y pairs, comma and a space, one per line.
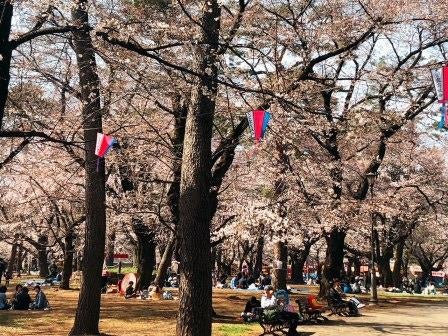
440, 79
258, 123
103, 145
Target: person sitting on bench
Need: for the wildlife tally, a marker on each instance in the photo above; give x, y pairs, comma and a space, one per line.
335, 297
248, 314
269, 301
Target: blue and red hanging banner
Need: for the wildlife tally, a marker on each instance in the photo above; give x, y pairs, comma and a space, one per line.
440, 79
258, 123
103, 144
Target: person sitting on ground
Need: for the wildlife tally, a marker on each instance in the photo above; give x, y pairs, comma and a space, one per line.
242, 283
249, 311
156, 293
356, 286
222, 281
346, 288
130, 291
22, 300
40, 301
265, 280
235, 281
417, 287
3, 300
269, 302
19, 288
335, 297
430, 289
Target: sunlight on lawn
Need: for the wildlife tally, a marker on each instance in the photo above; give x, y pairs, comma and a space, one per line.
232, 329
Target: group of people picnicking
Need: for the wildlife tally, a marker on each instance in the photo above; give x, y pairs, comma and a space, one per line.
21, 299
153, 292
244, 281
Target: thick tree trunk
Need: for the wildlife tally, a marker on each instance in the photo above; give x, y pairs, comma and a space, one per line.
280, 265
396, 273
110, 248
20, 255
6, 11
385, 271
146, 253
356, 266
88, 310
77, 262
11, 262
195, 294
334, 260
298, 262
349, 273
42, 256
68, 260
258, 265
426, 273
296, 274
165, 262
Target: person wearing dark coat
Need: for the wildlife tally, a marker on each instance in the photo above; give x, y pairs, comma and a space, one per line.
40, 301
22, 300
251, 305
335, 297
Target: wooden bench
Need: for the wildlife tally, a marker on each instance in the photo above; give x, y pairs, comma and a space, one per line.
338, 308
271, 323
310, 314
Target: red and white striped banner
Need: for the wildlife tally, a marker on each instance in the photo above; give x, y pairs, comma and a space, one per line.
440, 79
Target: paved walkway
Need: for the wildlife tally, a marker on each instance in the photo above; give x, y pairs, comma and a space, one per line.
410, 319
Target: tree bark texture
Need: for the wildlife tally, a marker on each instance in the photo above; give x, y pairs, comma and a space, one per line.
165, 262
68, 260
298, 262
110, 248
334, 260
20, 255
42, 256
88, 310
146, 253
180, 110
280, 273
11, 262
258, 265
6, 11
195, 294
396, 273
